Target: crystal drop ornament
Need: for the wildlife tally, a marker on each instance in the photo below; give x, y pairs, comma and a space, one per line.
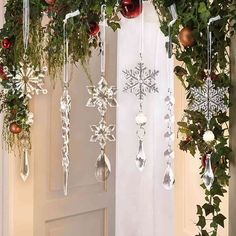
141, 157
169, 179
24, 171
102, 168
24, 164
208, 176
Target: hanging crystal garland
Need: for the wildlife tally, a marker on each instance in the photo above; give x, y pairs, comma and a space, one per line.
65, 107
102, 97
169, 179
209, 101
140, 81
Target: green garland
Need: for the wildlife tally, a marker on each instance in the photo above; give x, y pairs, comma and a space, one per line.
195, 15
45, 48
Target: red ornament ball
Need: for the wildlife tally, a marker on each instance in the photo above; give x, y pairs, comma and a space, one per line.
50, 2
186, 37
93, 28
6, 43
15, 128
131, 8
3, 76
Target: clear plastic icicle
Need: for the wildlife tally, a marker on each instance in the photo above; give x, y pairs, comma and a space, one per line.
65, 108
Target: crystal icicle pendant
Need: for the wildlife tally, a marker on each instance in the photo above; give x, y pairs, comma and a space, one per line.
208, 176
24, 170
102, 168
24, 163
141, 157
169, 179
65, 179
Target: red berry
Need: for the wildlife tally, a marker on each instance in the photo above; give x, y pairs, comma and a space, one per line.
93, 28
6, 43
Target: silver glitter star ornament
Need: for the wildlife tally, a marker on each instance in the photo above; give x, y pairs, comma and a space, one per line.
208, 99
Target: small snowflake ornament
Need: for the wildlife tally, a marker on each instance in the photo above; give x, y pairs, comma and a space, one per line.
140, 81
208, 100
102, 96
102, 133
28, 80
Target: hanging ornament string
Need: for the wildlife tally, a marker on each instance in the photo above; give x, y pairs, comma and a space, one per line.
103, 96
209, 43
65, 106
26, 23
141, 81
141, 41
103, 39
168, 181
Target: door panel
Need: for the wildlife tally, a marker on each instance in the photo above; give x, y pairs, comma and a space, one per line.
88, 209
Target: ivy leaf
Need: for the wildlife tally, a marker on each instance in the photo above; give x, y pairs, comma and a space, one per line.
219, 219
201, 222
204, 233
199, 210
208, 209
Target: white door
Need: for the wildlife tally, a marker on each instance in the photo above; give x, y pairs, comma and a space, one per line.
38, 207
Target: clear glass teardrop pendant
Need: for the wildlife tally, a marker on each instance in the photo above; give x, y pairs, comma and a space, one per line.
141, 157
24, 167
208, 176
169, 178
102, 168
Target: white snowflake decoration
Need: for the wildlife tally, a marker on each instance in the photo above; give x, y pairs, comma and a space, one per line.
28, 80
208, 100
140, 81
102, 96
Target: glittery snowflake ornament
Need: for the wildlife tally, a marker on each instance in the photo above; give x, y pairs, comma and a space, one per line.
28, 80
140, 81
102, 96
208, 100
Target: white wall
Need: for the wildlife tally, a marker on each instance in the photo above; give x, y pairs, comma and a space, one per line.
143, 207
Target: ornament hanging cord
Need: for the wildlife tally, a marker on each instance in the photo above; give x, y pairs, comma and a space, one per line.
103, 39
209, 42
26, 23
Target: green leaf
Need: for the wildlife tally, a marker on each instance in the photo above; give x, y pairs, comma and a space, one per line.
199, 210
219, 219
208, 209
201, 222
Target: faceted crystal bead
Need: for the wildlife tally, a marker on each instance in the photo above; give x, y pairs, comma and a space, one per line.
24, 168
102, 168
208, 176
141, 157
169, 179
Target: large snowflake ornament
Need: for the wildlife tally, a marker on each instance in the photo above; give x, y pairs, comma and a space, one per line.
208, 100
140, 81
102, 133
102, 96
28, 80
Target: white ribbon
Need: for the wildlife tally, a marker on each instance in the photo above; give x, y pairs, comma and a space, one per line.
26, 23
